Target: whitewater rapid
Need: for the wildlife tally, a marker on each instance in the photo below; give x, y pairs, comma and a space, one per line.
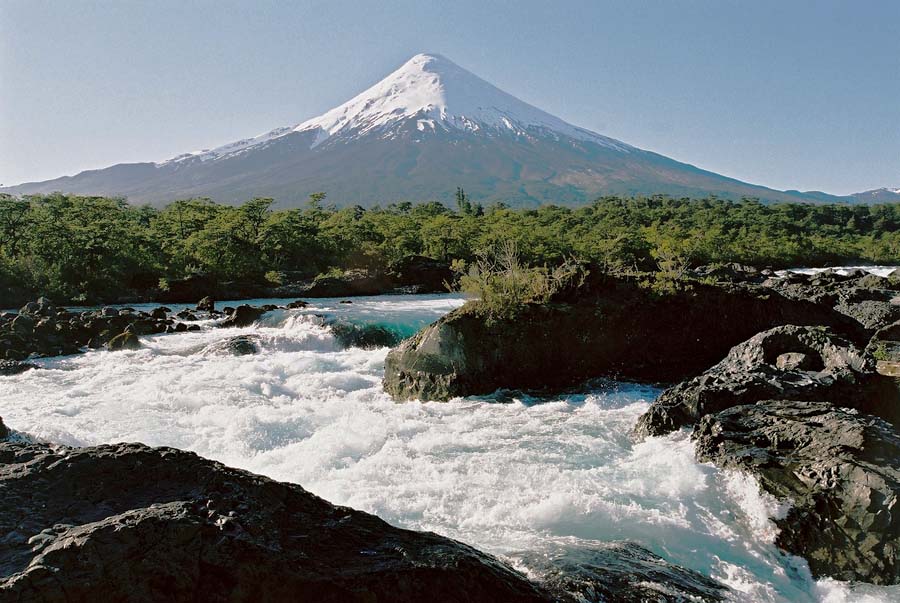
507, 473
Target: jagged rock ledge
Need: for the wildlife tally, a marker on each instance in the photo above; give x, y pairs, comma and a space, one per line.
129, 522
790, 362
837, 468
612, 328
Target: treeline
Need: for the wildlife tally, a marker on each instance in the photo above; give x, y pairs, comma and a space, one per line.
87, 248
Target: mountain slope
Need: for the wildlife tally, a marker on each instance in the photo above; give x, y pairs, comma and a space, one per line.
878, 195
418, 134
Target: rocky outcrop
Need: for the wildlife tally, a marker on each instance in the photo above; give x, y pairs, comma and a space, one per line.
128, 522
614, 329
624, 572
42, 329
786, 363
413, 274
350, 282
840, 471
243, 316
871, 300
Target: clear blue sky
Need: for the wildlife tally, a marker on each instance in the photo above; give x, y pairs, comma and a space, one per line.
799, 95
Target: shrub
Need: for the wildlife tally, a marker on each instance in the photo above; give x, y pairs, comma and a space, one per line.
503, 284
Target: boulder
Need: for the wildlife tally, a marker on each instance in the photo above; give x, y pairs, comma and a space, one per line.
47, 330
616, 329
4, 430
366, 336
349, 283
624, 572
294, 305
239, 345
128, 522
124, 341
14, 367
785, 363
160, 313
206, 304
243, 316
839, 470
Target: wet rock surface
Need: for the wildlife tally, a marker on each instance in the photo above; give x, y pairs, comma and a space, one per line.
14, 367
239, 345
128, 522
838, 468
42, 329
620, 571
790, 362
243, 316
364, 336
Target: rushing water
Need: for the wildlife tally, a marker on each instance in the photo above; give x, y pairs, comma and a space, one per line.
508, 474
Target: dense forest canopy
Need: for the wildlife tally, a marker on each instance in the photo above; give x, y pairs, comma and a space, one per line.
72, 247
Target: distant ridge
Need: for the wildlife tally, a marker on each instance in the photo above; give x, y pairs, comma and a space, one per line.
425, 129
879, 195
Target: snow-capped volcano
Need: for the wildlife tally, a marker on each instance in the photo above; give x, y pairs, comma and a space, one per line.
425, 129
435, 92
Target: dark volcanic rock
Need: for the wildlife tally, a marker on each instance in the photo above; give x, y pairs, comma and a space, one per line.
41, 329
839, 469
351, 282
871, 300
128, 522
124, 341
239, 345
243, 316
621, 571
206, 304
364, 336
160, 313
616, 329
14, 367
785, 363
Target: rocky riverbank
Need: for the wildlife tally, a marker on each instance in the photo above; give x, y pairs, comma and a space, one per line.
414, 274
790, 379
129, 522
613, 327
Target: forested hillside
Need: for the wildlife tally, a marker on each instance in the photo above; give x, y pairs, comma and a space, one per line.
88, 248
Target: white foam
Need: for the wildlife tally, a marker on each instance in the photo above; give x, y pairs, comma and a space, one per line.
882, 271
504, 477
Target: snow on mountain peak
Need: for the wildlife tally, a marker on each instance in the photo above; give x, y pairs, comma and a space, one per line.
436, 92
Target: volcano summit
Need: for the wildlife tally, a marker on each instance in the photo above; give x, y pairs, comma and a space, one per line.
425, 129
